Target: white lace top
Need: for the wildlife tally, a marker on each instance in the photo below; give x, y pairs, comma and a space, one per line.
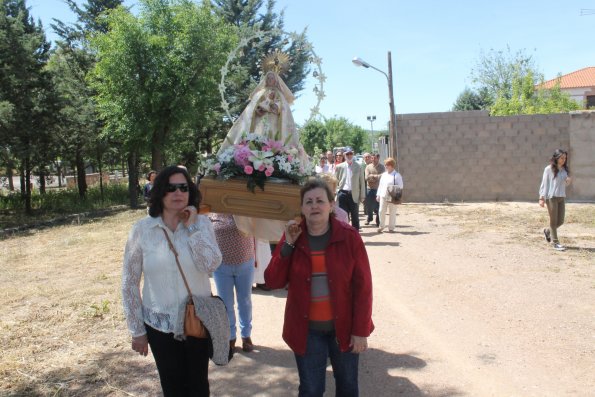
147, 253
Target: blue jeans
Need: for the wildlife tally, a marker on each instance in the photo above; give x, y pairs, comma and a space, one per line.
372, 205
239, 276
348, 205
312, 366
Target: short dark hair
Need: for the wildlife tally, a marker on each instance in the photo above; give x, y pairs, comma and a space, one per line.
160, 185
315, 183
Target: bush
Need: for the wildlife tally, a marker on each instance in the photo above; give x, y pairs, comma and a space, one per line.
67, 200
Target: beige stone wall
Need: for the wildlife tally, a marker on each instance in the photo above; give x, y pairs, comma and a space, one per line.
470, 156
582, 155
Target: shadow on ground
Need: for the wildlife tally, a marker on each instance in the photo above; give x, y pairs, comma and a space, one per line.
580, 249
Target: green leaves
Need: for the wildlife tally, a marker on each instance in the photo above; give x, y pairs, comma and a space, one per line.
156, 75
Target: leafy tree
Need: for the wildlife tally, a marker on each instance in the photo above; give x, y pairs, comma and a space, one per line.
157, 74
79, 129
334, 132
496, 70
26, 92
526, 99
473, 100
246, 15
313, 135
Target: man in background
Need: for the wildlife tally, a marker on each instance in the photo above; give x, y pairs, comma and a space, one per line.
351, 186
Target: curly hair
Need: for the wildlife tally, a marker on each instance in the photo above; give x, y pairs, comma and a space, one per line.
554, 162
160, 185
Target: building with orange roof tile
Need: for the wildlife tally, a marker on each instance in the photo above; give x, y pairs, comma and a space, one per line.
580, 85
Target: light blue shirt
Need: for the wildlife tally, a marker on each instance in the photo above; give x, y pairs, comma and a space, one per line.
553, 187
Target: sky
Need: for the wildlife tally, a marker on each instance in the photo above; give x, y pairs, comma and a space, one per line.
434, 45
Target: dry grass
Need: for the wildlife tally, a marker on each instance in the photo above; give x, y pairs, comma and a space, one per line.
62, 326
516, 221
62, 323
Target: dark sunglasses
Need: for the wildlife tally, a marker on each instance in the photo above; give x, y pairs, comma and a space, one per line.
172, 187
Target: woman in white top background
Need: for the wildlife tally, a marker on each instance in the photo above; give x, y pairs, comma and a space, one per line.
552, 193
156, 317
389, 177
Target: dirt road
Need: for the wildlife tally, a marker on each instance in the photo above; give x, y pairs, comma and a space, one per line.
468, 301
464, 305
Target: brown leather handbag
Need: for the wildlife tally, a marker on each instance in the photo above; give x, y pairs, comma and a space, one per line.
192, 324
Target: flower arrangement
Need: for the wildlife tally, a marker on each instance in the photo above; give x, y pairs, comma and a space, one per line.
258, 158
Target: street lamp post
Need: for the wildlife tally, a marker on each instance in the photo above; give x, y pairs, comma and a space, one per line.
371, 119
392, 124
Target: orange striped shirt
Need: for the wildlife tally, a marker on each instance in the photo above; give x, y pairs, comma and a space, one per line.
320, 300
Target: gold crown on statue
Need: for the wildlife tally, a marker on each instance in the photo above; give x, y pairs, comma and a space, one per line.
276, 61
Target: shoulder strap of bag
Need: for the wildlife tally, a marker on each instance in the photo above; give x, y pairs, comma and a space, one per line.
171, 247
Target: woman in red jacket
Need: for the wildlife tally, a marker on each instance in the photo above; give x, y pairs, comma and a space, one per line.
328, 313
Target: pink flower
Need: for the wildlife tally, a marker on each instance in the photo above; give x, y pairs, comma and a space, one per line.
274, 146
217, 167
269, 171
248, 170
289, 158
241, 155
261, 168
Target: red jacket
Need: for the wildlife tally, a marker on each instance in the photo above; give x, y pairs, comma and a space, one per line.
349, 279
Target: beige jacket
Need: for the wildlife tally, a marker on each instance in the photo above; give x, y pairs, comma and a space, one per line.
358, 188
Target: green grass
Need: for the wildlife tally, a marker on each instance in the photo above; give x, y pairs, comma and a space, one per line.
56, 203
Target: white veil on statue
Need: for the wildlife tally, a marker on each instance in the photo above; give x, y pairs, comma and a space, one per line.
268, 113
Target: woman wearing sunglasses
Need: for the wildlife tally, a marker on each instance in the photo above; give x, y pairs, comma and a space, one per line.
156, 317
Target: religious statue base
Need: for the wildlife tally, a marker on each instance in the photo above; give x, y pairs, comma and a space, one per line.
279, 201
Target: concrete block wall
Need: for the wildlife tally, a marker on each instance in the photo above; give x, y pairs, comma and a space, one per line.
471, 156
582, 156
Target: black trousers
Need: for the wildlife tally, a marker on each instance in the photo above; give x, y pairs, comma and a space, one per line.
183, 366
348, 205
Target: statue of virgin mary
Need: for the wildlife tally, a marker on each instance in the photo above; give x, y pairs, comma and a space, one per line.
268, 113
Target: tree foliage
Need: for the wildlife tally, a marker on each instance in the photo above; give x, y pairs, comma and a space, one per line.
157, 73
506, 83
473, 100
496, 70
26, 92
246, 72
333, 132
526, 99
79, 128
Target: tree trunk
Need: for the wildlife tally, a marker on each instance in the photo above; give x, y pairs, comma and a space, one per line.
22, 180
100, 165
132, 179
27, 169
9, 173
42, 181
157, 143
81, 177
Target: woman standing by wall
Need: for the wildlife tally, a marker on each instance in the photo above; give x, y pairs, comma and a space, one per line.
552, 193
389, 177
